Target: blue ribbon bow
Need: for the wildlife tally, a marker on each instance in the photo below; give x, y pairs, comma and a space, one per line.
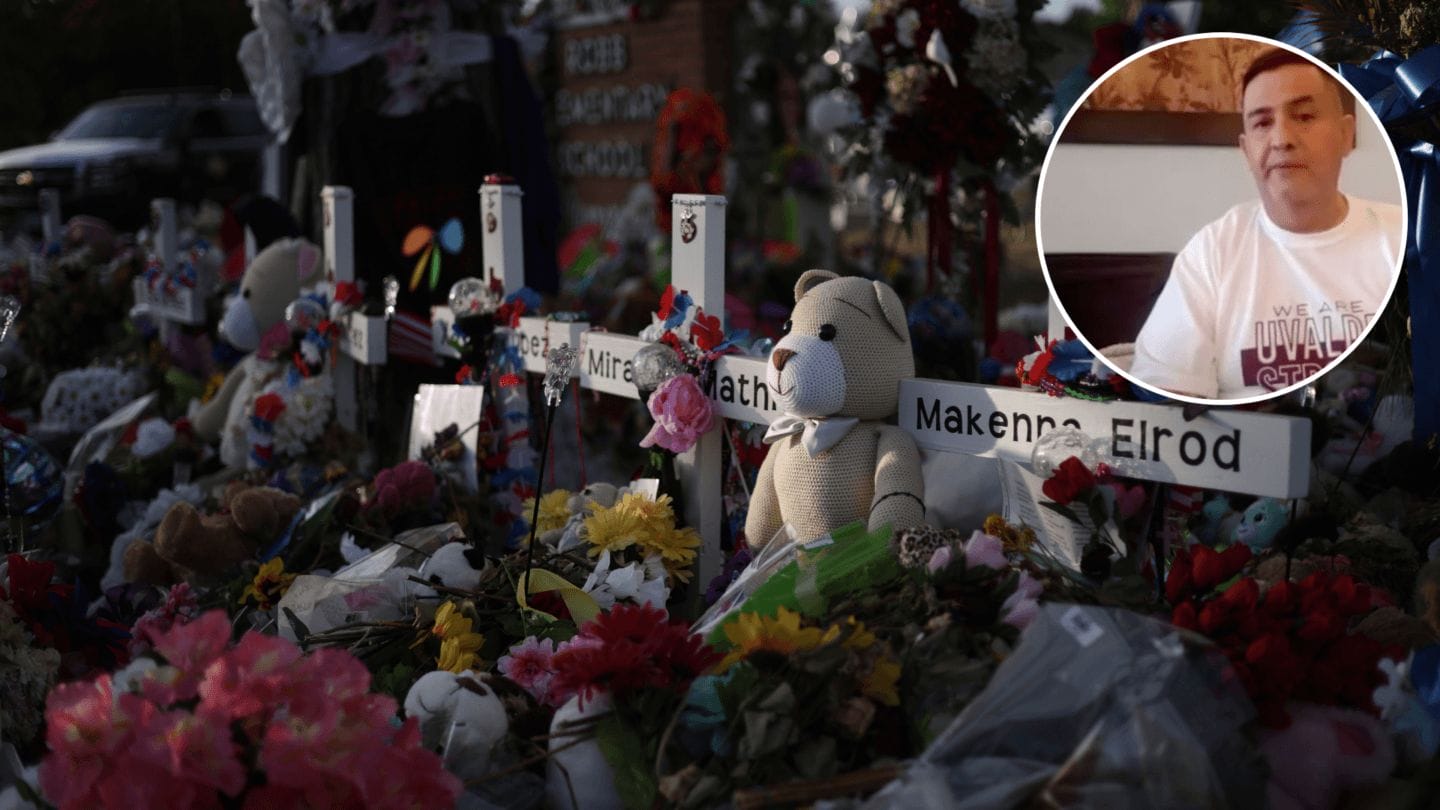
1405, 94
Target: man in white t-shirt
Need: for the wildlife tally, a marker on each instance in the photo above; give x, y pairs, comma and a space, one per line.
1273, 291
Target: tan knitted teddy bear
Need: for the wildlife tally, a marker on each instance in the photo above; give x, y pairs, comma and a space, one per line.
836, 375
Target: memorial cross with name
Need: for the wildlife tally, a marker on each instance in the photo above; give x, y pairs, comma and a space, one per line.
1228, 450
362, 337
169, 298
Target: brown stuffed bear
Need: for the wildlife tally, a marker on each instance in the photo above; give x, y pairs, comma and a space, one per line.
192, 546
836, 375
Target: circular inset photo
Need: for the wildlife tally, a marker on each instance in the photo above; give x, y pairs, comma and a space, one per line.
1221, 218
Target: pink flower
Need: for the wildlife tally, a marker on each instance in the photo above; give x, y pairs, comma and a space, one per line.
983, 549
197, 749
82, 732
940, 558
407, 485
1018, 611
180, 607
682, 414
528, 665
1029, 587
250, 679
192, 647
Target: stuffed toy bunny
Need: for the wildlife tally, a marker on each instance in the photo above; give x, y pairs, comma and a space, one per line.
271, 282
836, 373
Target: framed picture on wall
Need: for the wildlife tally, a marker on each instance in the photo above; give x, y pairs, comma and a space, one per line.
1184, 94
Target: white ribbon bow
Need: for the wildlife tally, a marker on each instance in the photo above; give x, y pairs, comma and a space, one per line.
819, 434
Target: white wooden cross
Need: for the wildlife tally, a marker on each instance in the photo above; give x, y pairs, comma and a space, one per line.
1229, 450
172, 303
50, 215
362, 337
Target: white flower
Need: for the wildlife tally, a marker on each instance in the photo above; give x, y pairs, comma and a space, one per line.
635, 583
997, 59
350, 550
990, 9
152, 437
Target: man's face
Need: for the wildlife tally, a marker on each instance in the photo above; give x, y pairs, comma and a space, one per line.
1295, 135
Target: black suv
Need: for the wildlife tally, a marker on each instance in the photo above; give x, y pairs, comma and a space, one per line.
118, 154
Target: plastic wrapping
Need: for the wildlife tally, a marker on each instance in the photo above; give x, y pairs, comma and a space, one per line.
804, 576
1097, 707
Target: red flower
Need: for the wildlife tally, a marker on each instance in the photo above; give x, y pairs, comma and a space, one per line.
462, 375
705, 332
1184, 617
1069, 480
1281, 598
510, 380
1212, 568
269, 407
669, 339
30, 586
1178, 583
626, 622
509, 314
1240, 597
347, 294
1322, 626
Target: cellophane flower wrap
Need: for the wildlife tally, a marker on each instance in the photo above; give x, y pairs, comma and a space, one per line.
253, 724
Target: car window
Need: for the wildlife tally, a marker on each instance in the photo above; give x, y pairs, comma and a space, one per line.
123, 121
242, 119
207, 124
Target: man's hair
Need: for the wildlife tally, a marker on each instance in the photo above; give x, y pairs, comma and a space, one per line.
1275, 58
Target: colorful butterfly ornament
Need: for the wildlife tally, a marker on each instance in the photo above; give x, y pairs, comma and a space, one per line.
423, 240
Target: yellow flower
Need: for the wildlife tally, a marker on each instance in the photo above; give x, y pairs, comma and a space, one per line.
655, 516
676, 547
459, 654
459, 644
751, 633
612, 529
879, 684
212, 387
554, 511
270, 583
859, 638
1011, 538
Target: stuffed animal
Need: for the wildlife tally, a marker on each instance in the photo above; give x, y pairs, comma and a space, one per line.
835, 374
191, 546
460, 718
255, 316
1217, 521
1261, 522
1325, 751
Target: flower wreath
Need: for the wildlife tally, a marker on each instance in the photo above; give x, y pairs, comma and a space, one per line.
185, 274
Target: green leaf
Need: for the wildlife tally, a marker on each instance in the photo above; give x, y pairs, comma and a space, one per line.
623, 750
301, 631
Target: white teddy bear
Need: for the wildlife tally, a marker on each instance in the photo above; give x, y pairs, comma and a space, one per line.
460, 718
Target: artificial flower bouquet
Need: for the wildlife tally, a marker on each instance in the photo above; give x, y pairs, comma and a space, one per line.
630, 545
791, 699
617, 685
1112, 511
203, 721
806, 576
1290, 641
